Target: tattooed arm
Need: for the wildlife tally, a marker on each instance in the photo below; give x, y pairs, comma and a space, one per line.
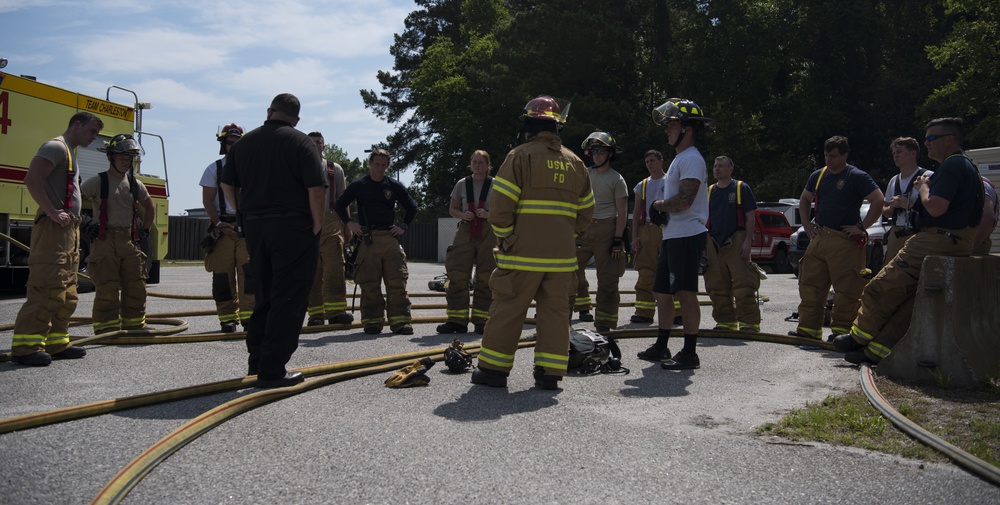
681, 201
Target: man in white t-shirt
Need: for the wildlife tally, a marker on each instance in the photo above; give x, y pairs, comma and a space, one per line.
685, 203
900, 194
228, 260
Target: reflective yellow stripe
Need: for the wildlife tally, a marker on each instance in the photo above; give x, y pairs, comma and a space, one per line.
480, 314
495, 358
839, 329
399, 319
315, 310
749, 328
23, 339
457, 314
117, 323
727, 326
645, 305
525, 263
57, 339
502, 232
547, 360
372, 322
335, 306
606, 316
227, 318
858, 332
587, 201
507, 188
245, 315
810, 332
546, 207
879, 350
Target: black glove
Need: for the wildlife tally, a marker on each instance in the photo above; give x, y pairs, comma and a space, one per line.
617, 248
659, 218
90, 229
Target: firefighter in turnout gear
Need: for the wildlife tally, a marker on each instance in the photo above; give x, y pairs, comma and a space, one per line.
541, 199
473, 247
381, 256
116, 263
950, 210
836, 252
328, 297
901, 193
647, 237
730, 279
41, 329
228, 260
603, 240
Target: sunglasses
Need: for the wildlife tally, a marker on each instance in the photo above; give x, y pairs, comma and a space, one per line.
932, 138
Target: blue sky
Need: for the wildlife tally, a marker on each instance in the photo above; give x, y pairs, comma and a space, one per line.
205, 64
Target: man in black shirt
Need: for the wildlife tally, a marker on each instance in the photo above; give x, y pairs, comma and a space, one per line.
280, 200
950, 207
380, 256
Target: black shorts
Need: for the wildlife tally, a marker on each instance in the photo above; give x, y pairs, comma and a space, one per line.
677, 266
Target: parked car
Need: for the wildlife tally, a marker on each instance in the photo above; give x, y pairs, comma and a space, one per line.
771, 240
874, 249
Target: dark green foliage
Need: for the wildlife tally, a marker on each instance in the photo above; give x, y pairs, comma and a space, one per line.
779, 77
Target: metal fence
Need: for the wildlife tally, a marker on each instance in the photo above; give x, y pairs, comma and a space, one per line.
419, 242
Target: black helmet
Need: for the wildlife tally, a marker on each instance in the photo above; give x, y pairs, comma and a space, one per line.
123, 143
683, 110
601, 139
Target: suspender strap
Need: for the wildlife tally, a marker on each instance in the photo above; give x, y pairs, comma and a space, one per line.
218, 188
740, 218
477, 224
816, 189
642, 211
331, 175
103, 215
909, 187
70, 176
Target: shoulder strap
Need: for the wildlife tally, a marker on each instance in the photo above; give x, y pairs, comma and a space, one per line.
740, 218
103, 215
218, 188
331, 175
70, 175
816, 190
469, 197
642, 211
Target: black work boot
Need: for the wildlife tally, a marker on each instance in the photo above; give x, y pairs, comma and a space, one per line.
451, 327
546, 381
846, 343
491, 378
586, 316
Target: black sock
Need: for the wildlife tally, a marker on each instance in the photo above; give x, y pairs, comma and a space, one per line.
689, 343
661, 338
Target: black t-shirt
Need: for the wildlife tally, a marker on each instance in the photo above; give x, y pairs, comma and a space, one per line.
377, 201
722, 210
957, 181
273, 166
839, 198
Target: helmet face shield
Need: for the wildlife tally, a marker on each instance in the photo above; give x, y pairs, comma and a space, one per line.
601, 139
122, 144
683, 110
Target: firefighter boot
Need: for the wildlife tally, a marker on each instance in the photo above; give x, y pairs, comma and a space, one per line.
545, 381
491, 378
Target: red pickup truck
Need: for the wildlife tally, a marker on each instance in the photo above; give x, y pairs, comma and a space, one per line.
771, 239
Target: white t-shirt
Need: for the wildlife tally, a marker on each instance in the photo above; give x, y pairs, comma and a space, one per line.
688, 164
654, 188
912, 197
209, 179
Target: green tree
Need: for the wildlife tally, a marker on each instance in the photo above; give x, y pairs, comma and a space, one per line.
968, 55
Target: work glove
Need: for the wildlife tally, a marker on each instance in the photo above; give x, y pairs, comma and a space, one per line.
456, 358
617, 248
90, 229
659, 218
411, 375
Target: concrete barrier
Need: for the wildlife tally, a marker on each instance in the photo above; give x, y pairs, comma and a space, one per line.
954, 335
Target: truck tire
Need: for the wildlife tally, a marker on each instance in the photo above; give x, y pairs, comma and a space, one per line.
877, 259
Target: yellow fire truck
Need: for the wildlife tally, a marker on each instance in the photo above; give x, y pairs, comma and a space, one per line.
30, 114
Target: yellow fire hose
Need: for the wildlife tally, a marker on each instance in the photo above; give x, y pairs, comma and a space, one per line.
128, 478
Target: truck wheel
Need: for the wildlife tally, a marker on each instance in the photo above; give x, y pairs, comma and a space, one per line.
781, 264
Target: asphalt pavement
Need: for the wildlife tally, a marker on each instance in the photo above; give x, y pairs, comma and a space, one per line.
649, 436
